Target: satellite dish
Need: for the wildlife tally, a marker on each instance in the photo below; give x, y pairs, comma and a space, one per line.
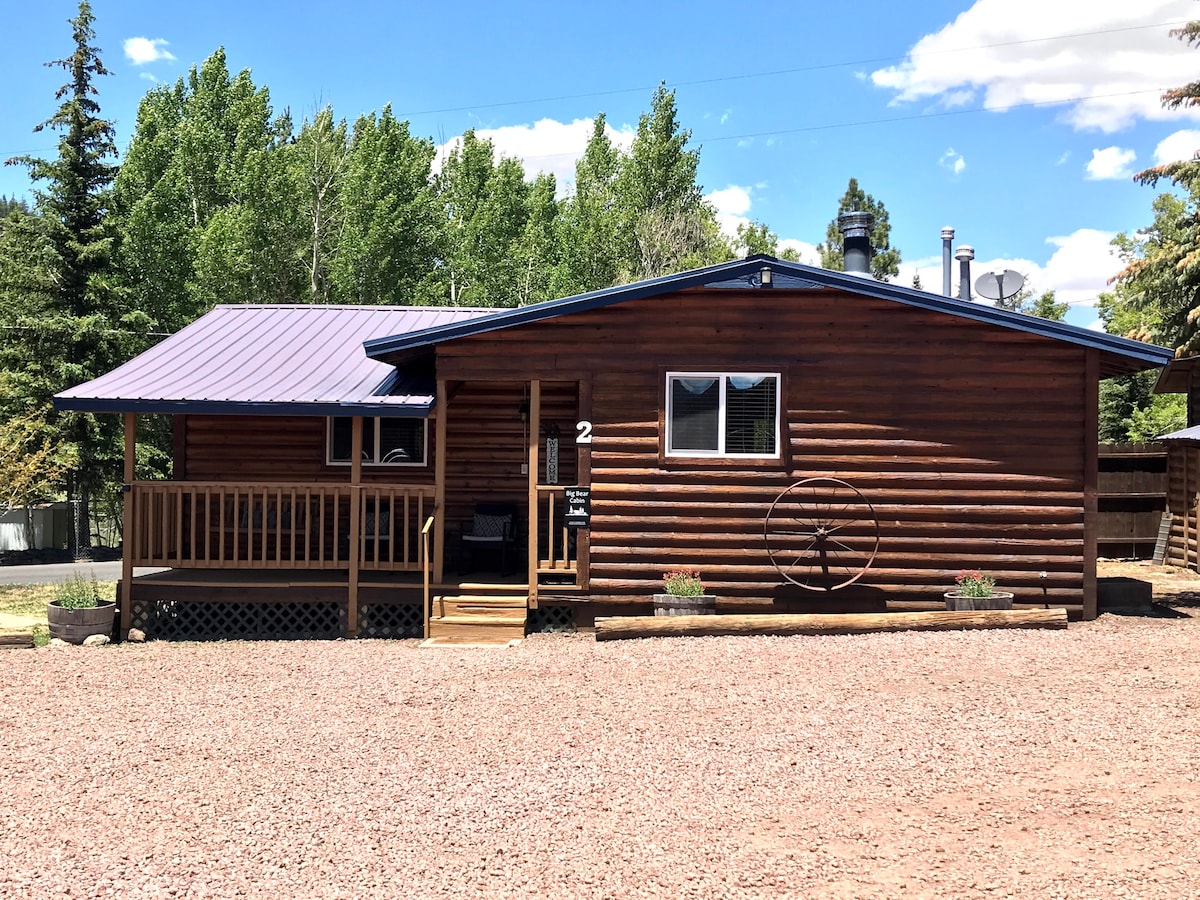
999, 285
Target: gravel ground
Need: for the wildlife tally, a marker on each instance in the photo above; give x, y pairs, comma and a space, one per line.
1024, 764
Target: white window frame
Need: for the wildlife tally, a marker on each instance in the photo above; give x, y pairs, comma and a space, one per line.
723, 380
373, 459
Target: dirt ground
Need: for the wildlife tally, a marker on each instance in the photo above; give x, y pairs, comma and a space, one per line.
1178, 589
1043, 764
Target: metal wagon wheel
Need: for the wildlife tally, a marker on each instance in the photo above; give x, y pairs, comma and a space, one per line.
822, 534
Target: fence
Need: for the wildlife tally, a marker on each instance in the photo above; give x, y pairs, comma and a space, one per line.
1132, 497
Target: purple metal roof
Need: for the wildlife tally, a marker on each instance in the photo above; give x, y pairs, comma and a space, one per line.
282, 359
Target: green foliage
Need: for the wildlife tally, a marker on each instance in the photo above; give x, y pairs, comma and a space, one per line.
1044, 306
683, 583
1131, 411
755, 237
207, 208
60, 322
390, 221
973, 583
78, 593
1166, 413
1157, 295
10, 205
885, 261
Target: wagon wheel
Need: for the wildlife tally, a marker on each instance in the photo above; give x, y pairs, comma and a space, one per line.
821, 534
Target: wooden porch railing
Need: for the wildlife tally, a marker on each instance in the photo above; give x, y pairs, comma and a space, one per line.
559, 555
193, 524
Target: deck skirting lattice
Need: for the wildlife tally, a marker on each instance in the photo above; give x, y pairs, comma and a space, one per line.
551, 620
183, 620
391, 620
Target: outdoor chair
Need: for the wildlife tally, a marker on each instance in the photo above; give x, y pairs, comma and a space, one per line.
492, 532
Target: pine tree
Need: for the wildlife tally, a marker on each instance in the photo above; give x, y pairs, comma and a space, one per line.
885, 261
55, 303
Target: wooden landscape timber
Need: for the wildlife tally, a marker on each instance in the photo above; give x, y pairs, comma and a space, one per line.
612, 628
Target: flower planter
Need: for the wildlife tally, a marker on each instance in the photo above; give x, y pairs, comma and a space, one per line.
670, 605
998, 600
76, 625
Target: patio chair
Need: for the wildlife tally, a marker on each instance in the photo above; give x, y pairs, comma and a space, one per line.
492, 531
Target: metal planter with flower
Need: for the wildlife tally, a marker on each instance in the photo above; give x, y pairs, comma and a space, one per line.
684, 595
977, 590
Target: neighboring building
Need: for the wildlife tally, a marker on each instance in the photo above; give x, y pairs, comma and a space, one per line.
313, 445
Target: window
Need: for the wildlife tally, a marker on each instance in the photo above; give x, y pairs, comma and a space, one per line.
721, 414
386, 442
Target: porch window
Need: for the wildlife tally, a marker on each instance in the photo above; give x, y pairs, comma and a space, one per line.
723, 414
386, 441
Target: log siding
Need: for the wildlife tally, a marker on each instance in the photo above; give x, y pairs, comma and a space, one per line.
968, 438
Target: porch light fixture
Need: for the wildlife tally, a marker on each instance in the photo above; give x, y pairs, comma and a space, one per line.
764, 276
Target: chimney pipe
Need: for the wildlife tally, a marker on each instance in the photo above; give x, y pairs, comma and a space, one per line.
856, 241
964, 256
947, 265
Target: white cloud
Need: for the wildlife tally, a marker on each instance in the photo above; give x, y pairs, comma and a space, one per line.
1115, 54
1077, 271
1110, 163
545, 146
953, 161
733, 199
148, 77
807, 252
731, 203
140, 50
1178, 146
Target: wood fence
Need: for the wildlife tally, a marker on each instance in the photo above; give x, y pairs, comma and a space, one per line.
1132, 487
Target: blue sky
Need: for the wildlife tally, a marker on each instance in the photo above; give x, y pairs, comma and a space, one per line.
1018, 122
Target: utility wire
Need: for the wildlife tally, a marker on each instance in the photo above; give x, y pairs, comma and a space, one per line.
748, 75
774, 72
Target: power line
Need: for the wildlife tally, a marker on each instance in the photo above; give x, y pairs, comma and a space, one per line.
915, 117
792, 71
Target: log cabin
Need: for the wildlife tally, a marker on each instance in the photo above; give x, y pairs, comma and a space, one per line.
1180, 535
808, 440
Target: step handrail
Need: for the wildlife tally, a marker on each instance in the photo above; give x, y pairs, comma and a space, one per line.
425, 568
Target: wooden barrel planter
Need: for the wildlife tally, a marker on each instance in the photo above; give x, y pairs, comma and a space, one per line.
76, 625
670, 605
999, 600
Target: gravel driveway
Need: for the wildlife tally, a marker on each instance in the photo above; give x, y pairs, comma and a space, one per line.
981, 764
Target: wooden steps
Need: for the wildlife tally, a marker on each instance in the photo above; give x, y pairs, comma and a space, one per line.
481, 619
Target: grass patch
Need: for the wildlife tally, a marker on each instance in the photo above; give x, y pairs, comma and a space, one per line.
31, 599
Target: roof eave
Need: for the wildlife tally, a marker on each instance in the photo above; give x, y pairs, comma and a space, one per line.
415, 409
1139, 356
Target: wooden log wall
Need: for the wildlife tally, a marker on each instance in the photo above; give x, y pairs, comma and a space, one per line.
486, 445
273, 448
1183, 488
968, 438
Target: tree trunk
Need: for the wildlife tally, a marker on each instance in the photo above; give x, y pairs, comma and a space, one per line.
617, 627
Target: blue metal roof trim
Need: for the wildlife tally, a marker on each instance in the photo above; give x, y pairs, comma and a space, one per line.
724, 273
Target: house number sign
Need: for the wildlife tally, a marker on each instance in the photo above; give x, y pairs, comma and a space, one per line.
583, 432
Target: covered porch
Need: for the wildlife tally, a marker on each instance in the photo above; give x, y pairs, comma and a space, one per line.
357, 557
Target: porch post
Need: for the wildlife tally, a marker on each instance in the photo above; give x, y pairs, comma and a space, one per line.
439, 485
128, 540
356, 446
1091, 465
535, 420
